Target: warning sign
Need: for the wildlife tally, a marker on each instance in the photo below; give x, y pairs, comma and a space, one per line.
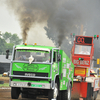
80, 71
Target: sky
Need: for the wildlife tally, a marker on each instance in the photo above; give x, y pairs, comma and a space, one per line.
9, 23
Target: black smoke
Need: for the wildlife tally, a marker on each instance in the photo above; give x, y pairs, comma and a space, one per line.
31, 12
62, 17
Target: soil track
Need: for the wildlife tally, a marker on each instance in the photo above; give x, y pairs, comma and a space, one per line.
5, 79
5, 92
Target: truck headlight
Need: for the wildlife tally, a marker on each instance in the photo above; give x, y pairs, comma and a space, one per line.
14, 84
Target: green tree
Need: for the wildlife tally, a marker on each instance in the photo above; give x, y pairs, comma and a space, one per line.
11, 38
9, 46
2, 46
15, 39
6, 36
8, 41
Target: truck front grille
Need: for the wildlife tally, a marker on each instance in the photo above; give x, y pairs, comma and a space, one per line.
30, 74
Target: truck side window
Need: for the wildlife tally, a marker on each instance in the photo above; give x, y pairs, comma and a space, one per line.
55, 57
14, 55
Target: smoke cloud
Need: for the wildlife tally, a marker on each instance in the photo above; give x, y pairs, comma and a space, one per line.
62, 17
31, 12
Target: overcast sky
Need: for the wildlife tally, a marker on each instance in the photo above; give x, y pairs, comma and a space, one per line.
9, 23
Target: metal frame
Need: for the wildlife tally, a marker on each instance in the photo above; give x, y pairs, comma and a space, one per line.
24, 84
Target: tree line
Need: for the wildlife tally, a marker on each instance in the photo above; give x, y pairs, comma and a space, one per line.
7, 41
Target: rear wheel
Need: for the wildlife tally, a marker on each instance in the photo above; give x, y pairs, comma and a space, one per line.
15, 92
66, 94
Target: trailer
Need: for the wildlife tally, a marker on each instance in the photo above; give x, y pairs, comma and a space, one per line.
85, 83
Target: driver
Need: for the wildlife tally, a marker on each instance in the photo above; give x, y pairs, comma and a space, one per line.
85, 51
46, 58
24, 57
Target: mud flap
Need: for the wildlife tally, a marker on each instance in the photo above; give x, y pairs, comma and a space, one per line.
89, 92
81, 90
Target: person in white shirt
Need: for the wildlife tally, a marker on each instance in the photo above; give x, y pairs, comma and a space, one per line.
23, 57
85, 51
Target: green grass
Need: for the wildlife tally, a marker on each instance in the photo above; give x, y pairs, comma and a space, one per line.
0, 75
4, 85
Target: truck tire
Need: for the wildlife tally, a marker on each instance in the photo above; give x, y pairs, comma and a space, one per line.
28, 96
66, 94
24, 95
31, 96
15, 92
53, 94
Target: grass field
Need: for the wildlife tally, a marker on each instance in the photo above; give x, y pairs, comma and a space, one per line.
0, 75
6, 81
4, 85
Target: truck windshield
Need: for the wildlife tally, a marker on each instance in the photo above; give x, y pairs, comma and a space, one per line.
81, 49
38, 56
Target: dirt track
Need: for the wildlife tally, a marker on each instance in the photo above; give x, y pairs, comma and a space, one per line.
5, 95
5, 92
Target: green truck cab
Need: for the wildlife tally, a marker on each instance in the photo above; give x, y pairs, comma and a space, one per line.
40, 71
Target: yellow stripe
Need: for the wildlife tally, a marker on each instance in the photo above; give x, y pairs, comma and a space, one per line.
98, 60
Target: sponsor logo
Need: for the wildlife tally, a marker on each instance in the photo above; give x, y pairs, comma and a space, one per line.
29, 74
64, 60
84, 62
30, 67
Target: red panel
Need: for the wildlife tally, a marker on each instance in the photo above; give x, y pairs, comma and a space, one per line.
81, 63
79, 89
83, 91
76, 90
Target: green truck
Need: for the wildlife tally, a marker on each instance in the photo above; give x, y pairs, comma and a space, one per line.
40, 71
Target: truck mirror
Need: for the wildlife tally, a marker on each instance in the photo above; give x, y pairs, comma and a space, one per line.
59, 57
7, 54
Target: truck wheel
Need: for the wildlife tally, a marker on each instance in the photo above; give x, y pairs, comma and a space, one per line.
53, 94
28, 96
31, 96
15, 92
66, 94
24, 95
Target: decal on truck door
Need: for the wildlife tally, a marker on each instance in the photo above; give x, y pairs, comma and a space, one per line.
64, 72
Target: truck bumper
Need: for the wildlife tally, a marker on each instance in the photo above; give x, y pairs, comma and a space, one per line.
30, 85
